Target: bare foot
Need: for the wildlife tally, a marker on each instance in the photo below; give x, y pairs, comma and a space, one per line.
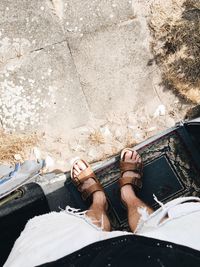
78, 168
127, 191
97, 211
131, 201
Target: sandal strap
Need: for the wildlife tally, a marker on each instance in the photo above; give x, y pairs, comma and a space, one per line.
83, 176
130, 166
91, 190
134, 181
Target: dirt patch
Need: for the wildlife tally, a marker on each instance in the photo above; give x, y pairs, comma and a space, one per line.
176, 45
16, 147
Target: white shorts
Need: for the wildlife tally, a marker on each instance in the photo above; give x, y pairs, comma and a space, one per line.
54, 235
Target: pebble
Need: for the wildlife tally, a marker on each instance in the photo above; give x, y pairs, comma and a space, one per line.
106, 132
17, 157
160, 111
151, 129
49, 162
37, 153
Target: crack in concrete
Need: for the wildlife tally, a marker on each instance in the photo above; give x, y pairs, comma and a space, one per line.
157, 94
49, 45
35, 50
71, 54
38, 49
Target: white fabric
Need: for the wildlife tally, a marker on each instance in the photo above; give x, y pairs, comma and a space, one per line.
51, 236
177, 222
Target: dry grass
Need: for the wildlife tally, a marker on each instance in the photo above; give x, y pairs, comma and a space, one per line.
12, 144
129, 140
111, 145
96, 138
176, 47
193, 113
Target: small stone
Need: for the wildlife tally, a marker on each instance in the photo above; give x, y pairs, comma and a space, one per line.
132, 127
37, 153
160, 111
151, 129
73, 144
17, 157
138, 136
49, 162
106, 133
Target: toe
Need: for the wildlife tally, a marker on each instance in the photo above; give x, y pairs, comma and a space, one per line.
76, 173
76, 167
138, 158
81, 165
135, 154
137, 175
128, 155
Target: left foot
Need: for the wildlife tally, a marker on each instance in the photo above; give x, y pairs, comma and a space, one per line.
97, 211
130, 174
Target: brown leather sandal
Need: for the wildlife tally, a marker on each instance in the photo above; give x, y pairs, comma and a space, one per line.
129, 165
82, 177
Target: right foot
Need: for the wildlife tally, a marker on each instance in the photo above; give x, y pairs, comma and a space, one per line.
79, 167
127, 191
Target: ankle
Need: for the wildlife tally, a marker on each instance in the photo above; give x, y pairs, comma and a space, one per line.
127, 193
99, 198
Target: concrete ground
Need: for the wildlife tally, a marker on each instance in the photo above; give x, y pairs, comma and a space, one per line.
81, 75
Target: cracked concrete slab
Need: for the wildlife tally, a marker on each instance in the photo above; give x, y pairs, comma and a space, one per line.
42, 92
79, 17
113, 68
39, 85
26, 26
82, 73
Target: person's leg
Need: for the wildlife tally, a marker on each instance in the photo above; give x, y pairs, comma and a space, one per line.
97, 211
128, 196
